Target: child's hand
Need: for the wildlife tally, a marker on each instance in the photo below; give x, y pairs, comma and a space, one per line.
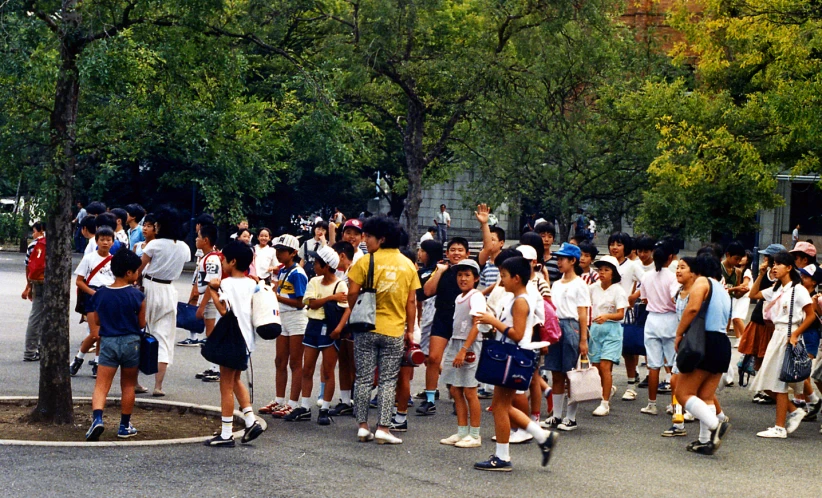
583, 348
763, 266
482, 213
486, 318
214, 284
459, 359
340, 297
600, 319
441, 267
323, 240
335, 334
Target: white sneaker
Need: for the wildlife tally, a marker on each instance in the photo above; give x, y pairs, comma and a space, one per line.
452, 439
320, 402
774, 432
602, 410
794, 419
519, 436
651, 409
688, 417
364, 436
629, 395
613, 391
469, 442
383, 437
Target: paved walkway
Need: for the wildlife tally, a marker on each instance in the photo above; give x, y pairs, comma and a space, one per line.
619, 455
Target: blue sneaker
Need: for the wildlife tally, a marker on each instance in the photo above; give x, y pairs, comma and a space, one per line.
95, 430
126, 432
373, 403
494, 464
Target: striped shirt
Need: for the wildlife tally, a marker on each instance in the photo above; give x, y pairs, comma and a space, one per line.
489, 275
553, 269
591, 277
29, 249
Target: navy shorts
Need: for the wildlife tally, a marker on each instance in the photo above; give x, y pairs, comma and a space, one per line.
811, 338
443, 324
563, 355
120, 351
316, 335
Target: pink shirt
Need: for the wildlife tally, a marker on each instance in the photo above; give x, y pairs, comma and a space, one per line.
659, 289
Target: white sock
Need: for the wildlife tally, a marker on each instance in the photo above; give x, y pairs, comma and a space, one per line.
400, 417
572, 411
345, 397
813, 398
720, 416
680, 425
96, 359
559, 405
279, 401
704, 432
652, 402
192, 336
293, 403
502, 452
81, 354
226, 427
605, 403
326, 405
248, 416
305, 403
668, 377
535, 430
699, 409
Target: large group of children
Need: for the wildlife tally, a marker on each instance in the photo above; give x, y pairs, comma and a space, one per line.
597, 304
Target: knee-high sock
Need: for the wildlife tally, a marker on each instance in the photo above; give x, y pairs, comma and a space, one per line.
702, 411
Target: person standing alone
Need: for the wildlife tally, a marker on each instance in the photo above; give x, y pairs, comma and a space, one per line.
443, 222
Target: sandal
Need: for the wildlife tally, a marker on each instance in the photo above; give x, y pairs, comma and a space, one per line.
138, 389
158, 393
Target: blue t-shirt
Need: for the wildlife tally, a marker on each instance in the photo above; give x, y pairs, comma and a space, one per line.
135, 235
117, 309
291, 283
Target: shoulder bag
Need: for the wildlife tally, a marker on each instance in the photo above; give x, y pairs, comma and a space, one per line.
796, 366
692, 348
187, 318
505, 364
633, 330
333, 313
584, 384
226, 346
364, 313
149, 351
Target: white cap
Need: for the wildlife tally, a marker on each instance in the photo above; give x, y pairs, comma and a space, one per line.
528, 252
327, 255
469, 263
288, 241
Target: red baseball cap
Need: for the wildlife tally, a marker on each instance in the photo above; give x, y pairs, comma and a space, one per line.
353, 223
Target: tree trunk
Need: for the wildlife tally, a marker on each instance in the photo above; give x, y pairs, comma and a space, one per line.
54, 404
415, 160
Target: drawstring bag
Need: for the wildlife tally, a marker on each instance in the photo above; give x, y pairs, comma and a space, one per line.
265, 313
226, 346
364, 313
796, 366
584, 383
633, 330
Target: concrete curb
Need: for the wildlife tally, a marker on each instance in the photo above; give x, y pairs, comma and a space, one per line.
194, 408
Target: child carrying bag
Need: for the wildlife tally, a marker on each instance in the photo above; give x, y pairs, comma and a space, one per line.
692, 347
333, 313
505, 364
584, 383
226, 346
364, 314
265, 313
796, 366
149, 351
633, 330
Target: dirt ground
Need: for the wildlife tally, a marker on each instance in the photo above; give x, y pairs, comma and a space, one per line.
151, 422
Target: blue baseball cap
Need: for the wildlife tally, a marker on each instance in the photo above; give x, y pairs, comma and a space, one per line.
569, 250
773, 249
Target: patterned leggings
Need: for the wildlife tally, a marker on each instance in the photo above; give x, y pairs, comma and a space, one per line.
372, 350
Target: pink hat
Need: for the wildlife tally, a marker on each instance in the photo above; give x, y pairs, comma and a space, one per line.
805, 247
353, 223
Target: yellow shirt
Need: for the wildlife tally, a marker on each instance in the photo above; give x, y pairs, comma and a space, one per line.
316, 290
394, 278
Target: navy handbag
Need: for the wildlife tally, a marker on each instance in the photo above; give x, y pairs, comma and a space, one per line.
187, 318
506, 364
149, 349
633, 330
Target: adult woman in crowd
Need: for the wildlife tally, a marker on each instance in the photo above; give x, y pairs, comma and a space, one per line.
395, 280
163, 261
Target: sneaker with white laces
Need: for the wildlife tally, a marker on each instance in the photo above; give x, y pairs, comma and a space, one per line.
674, 431
602, 410
125, 432
794, 419
298, 414
651, 409
629, 395
774, 432
469, 442
550, 423
384, 437
568, 425
494, 464
452, 440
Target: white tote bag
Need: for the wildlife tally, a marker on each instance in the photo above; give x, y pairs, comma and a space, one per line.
364, 313
584, 383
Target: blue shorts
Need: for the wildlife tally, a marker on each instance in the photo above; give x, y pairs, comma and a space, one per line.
605, 342
120, 351
316, 335
811, 338
563, 356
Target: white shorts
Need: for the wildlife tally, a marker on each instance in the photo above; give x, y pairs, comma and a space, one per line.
660, 335
294, 322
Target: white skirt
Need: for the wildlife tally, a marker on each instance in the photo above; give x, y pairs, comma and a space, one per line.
767, 379
739, 307
161, 317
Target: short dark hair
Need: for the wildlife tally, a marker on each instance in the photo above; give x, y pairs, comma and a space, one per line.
546, 227
204, 219
123, 262
383, 227
96, 208
434, 251
39, 226
343, 247
533, 239
708, 266
735, 248
104, 231
644, 243
499, 232
624, 239
518, 267
507, 254
458, 241
432, 229
149, 218
408, 253
239, 252
319, 224
120, 214
209, 232
136, 211
240, 232
90, 224
106, 220
589, 249
713, 250
170, 226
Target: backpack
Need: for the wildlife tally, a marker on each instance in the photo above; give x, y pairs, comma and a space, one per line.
219, 254
550, 330
36, 269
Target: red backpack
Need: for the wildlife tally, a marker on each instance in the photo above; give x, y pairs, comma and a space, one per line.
36, 270
550, 330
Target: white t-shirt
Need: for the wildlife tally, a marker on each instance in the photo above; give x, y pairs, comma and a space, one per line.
426, 236
167, 258
630, 273
91, 246
90, 261
475, 302
782, 299
607, 302
316, 290
647, 268
568, 296
264, 258
357, 255
795, 236
508, 319
238, 292
208, 269
122, 236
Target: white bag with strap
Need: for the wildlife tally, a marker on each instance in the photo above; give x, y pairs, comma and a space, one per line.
584, 383
265, 313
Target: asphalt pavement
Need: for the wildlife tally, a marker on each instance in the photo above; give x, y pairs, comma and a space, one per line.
619, 455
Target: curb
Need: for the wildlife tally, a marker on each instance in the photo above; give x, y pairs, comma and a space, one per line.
194, 408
